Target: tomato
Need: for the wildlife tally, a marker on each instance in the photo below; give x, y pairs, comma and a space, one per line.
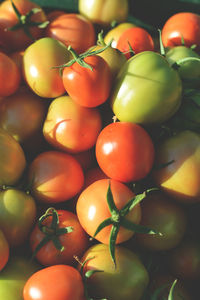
160, 213
22, 114
51, 15
55, 176
129, 279
17, 57
75, 242
86, 158
13, 161
182, 26
92, 209
58, 282
14, 276
181, 177
147, 90
4, 250
137, 38
71, 127
94, 85
38, 62
10, 71
17, 215
70, 29
18, 39
104, 12
125, 151
93, 174
114, 33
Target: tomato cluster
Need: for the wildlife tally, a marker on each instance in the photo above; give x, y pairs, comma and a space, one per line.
100, 154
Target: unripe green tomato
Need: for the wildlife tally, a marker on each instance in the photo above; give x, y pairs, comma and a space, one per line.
104, 11
147, 90
189, 70
38, 62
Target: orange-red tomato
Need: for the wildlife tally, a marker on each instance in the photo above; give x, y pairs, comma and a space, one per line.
9, 74
74, 30
4, 250
55, 176
92, 209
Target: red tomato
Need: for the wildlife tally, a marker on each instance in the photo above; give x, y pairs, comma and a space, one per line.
4, 250
92, 209
10, 76
182, 25
74, 242
55, 176
89, 88
125, 151
54, 14
18, 39
71, 127
70, 30
136, 37
58, 282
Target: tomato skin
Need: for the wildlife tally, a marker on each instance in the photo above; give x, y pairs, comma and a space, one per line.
128, 278
75, 242
17, 215
181, 178
13, 161
92, 209
10, 71
17, 39
58, 282
104, 12
94, 86
147, 90
160, 213
4, 250
125, 151
55, 176
182, 25
39, 73
71, 127
70, 29
136, 37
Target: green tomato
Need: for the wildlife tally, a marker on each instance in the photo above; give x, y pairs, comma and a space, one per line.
128, 280
104, 12
147, 90
38, 62
188, 64
17, 215
14, 276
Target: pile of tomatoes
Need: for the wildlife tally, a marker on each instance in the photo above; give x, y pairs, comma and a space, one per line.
99, 154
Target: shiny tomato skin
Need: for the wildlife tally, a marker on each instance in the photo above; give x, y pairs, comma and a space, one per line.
71, 127
4, 250
58, 282
180, 178
70, 30
125, 151
92, 209
138, 38
55, 176
129, 279
13, 160
182, 25
17, 39
93, 86
10, 71
75, 242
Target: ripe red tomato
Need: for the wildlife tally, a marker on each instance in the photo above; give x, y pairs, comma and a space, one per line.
10, 76
125, 151
4, 250
92, 209
182, 25
70, 30
58, 282
55, 176
89, 88
75, 242
138, 38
